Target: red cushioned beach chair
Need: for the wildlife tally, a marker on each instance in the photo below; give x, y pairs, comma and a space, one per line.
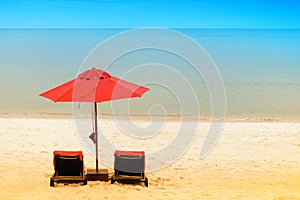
68, 168
129, 165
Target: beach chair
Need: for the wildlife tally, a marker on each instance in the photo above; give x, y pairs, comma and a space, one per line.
68, 168
129, 166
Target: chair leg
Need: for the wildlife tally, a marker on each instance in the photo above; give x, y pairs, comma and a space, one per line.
51, 182
85, 181
146, 182
112, 180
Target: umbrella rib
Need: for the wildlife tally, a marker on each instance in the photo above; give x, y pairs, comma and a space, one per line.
57, 99
67, 91
119, 85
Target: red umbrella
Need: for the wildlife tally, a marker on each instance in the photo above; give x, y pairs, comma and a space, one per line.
94, 85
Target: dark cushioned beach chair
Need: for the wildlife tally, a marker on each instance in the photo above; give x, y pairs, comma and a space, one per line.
129, 165
68, 168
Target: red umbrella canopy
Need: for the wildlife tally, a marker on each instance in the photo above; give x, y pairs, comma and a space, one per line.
94, 85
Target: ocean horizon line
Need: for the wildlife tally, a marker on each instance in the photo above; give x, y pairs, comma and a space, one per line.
130, 28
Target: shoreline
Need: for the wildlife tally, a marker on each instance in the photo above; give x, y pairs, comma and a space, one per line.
147, 118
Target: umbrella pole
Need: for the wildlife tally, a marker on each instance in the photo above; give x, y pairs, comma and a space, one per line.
96, 135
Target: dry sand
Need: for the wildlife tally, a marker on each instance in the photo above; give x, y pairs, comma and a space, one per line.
252, 160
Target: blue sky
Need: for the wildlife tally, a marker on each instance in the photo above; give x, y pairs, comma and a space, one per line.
153, 13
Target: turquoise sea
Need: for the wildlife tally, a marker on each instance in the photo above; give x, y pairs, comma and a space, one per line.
260, 70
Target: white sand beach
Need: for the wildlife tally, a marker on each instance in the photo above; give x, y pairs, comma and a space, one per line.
252, 160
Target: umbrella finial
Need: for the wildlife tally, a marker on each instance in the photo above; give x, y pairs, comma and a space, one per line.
94, 67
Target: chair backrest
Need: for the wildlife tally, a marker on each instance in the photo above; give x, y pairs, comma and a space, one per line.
68, 166
130, 162
68, 163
